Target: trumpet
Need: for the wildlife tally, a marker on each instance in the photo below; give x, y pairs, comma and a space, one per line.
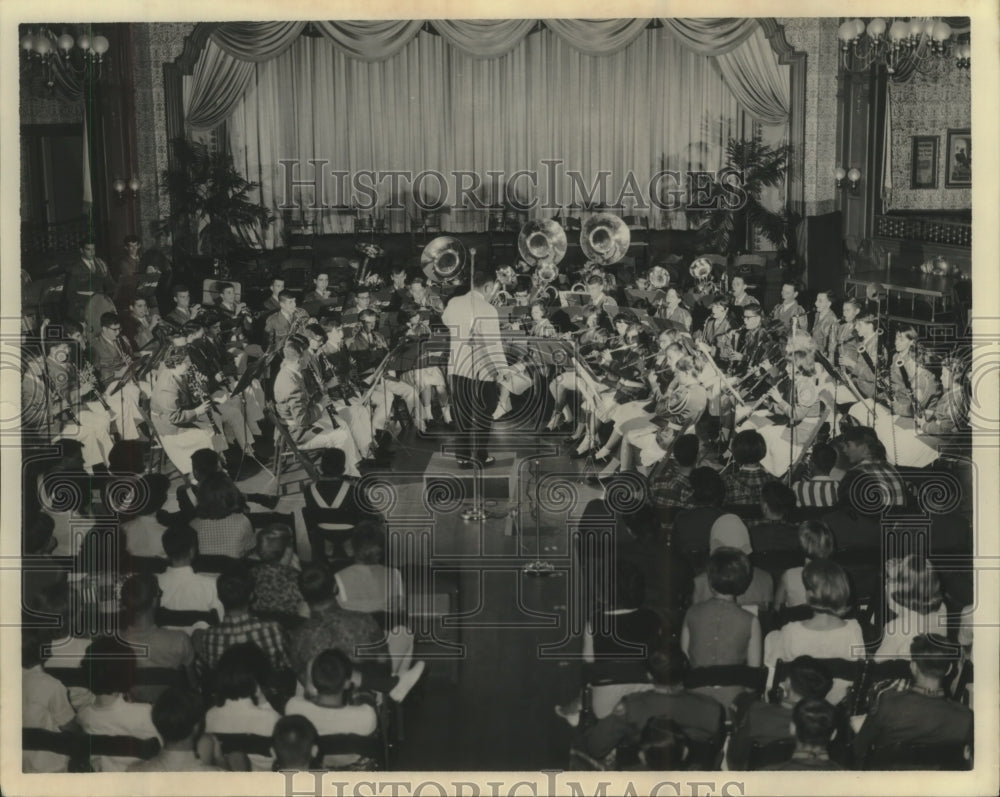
501, 298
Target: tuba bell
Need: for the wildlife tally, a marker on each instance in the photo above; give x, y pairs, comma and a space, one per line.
542, 241
443, 258
604, 238
659, 277
701, 269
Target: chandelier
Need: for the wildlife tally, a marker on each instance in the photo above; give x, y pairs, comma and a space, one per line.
927, 44
62, 58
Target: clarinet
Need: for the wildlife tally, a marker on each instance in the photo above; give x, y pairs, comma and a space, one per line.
197, 382
88, 374
327, 403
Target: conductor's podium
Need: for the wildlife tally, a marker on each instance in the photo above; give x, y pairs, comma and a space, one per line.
446, 484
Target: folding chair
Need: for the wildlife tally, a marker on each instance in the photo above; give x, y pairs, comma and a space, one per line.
284, 445
938, 756
158, 459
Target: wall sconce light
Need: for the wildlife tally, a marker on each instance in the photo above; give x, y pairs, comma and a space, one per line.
133, 187
853, 177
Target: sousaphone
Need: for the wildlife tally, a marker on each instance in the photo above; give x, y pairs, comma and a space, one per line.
604, 239
542, 242
443, 258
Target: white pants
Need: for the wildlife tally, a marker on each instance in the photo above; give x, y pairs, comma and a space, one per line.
179, 443
124, 406
903, 446
322, 435
93, 432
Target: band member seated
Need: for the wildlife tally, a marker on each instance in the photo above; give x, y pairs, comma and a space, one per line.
789, 307
114, 369
914, 387
752, 343
825, 325
309, 423
845, 347
738, 296
181, 418
869, 357
717, 331
672, 310
424, 299
369, 349
183, 309
321, 289
517, 379
53, 403
590, 340
680, 407
227, 306
598, 299
272, 303
289, 320
949, 413
138, 324
798, 401
427, 379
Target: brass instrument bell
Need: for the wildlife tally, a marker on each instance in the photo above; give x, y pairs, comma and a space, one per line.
605, 238
445, 257
659, 277
542, 241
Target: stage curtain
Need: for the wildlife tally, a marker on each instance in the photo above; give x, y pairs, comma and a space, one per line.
597, 36
217, 85
256, 41
760, 84
435, 107
371, 39
711, 36
484, 38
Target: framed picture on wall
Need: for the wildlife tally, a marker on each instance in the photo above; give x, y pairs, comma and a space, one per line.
924, 162
958, 166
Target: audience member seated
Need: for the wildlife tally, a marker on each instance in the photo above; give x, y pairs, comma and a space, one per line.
96, 581
669, 488
181, 589
275, 584
220, 520
330, 707
774, 532
203, 462
368, 585
920, 713
294, 744
813, 725
745, 484
700, 717
330, 500
825, 635
689, 532
44, 704
110, 668
869, 469
153, 646
763, 723
731, 532
142, 531
913, 594
717, 631
179, 719
815, 542
240, 705
331, 627
821, 489
235, 589
853, 529
663, 746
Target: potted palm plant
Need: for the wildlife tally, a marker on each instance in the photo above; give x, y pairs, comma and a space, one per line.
211, 212
728, 230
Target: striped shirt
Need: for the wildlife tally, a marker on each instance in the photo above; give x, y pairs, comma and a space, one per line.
211, 643
817, 491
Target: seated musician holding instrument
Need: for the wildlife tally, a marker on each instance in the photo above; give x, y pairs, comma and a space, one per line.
672, 310
798, 401
227, 306
845, 347
320, 293
272, 304
516, 380
288, 321
738, 296
114, 372
680, 407
181, 417
825, 325
427, 379
310, 426
138, 324
590, 341
717, 330
914, 387
423, 298
597, 297
52, 403
369, 349
949, 413
183, 309
789, 307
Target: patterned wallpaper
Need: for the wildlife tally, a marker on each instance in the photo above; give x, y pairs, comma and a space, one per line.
156, 44
817, 37
38, 108
928, 107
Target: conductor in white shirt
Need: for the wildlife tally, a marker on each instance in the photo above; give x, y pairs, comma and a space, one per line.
475, 365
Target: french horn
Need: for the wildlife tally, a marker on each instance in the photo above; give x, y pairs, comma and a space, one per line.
444, 257
542, 241
604, 239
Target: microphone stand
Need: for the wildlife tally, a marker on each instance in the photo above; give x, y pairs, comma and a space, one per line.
537, 567
791, 406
